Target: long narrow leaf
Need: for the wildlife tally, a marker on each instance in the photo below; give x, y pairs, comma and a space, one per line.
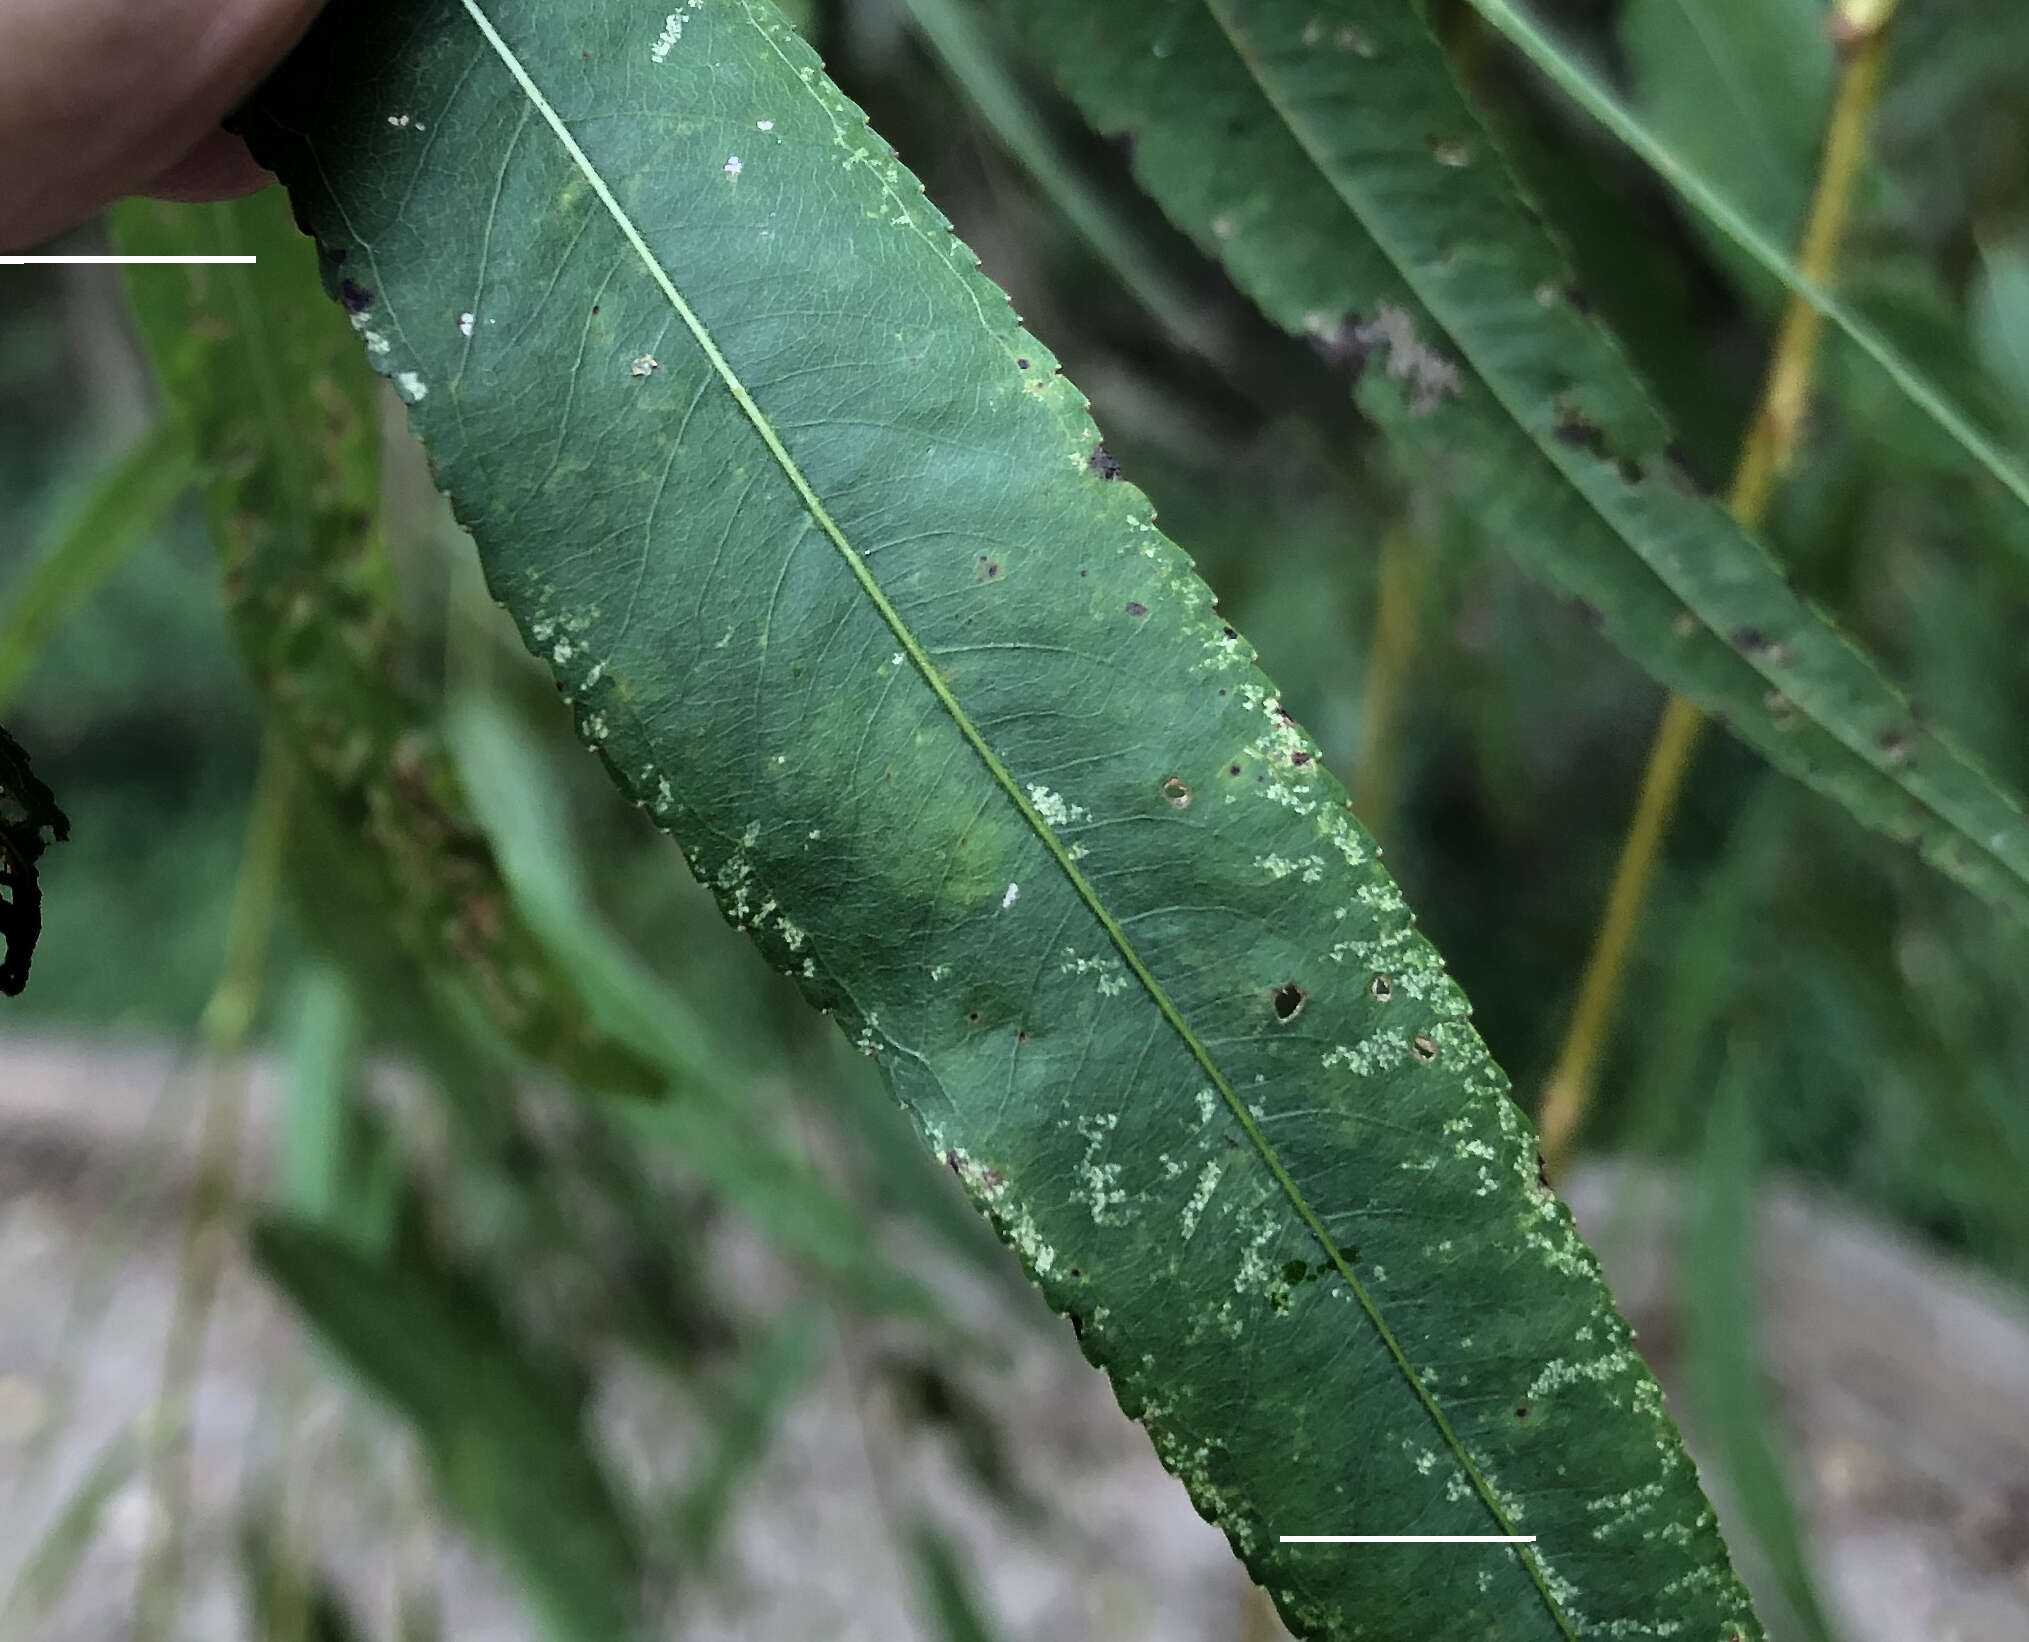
845, 591
1697, 191
1325, 153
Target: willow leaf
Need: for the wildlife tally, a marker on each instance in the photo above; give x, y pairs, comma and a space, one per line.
846, 593
1325, 154
275, 404
1696, 189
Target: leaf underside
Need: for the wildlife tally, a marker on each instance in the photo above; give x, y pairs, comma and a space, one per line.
1322, 151
813, 536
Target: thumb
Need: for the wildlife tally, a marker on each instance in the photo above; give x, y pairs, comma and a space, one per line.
98, 98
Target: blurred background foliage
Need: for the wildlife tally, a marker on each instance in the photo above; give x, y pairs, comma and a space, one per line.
1805, 997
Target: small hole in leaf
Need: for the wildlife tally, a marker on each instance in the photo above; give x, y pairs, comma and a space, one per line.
972, 1017
1232, 769
1382, 988
1424, 1048
1288, 1001
1522, 1413
1176, 792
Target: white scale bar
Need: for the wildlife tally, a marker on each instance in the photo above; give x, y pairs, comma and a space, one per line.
1409, 1539
24, 262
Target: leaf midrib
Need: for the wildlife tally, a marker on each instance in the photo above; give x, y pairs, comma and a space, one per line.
1407, 272
921, 660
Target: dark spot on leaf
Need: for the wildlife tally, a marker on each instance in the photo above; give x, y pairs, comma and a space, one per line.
595, 307
1229, 632
1299, 757
1176, 792
1749, 641
1522, 1412
1232, 769
1423, 1047
1382, 988
1021, 1035
1077, 1325
972, 1017
1630, 470
357, 298
1576, 296
1102, 463
1288, 999
1136, 608
1894, 746
1021, 364
1573, 427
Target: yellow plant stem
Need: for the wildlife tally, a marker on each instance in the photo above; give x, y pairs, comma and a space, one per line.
228, 1017
1859, 29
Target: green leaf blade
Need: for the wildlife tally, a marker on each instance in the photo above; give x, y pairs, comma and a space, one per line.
816, 541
